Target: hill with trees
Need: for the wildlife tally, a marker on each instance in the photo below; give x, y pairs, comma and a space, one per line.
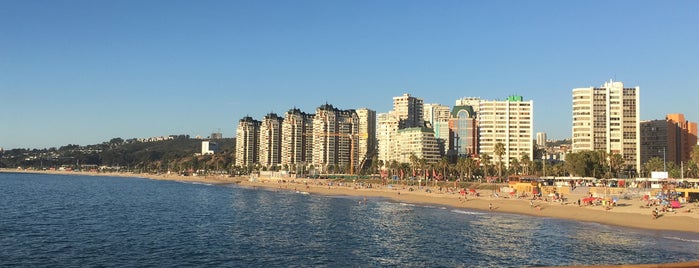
178, 154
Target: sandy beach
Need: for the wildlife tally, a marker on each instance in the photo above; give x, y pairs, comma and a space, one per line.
628, 213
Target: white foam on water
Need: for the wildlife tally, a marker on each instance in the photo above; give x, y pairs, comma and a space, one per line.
466, 212
682, 239
196, 182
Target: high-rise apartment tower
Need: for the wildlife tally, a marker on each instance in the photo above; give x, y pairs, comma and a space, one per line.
509, 122
270, 140
606, 119
247, 142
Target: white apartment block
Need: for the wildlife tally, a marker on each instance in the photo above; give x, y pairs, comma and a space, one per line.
247, 143
386, 136
270, 141
509, 122
541, 139
418, 141
335, 138
367, 134
408, 110
438, 116
208, 147
474, 102
401, 132
606, 118
434, 112
297, 149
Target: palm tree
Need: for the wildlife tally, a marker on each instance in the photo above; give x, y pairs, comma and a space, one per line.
616, 161
486, 164
376, 164
691, 169
404, 167
444, 164
465, 165
471, 165
423, 165
393, 166
654, 164
515, 165
414, 161
526, 163
499, 150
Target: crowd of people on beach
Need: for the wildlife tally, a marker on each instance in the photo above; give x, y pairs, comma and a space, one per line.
537, 199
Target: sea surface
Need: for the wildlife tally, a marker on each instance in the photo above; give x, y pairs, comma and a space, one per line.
84, 221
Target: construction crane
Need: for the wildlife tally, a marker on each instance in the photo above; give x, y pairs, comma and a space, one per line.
333, 134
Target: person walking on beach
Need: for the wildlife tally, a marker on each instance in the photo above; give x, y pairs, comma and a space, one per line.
655, 213
531, 203
490, 206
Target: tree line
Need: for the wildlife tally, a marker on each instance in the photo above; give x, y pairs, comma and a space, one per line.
177, 155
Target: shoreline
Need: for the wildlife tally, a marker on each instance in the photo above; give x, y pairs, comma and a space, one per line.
629, 213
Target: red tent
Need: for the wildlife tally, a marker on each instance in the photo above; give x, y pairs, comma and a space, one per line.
675, 204
589, 199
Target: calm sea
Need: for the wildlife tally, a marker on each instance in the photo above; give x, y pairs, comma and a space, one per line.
64, 220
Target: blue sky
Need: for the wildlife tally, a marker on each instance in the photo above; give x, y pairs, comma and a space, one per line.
83, 72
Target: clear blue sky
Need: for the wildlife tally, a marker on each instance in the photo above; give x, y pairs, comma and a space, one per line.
83, 72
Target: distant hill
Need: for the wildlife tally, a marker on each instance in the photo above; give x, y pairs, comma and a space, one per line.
176, 154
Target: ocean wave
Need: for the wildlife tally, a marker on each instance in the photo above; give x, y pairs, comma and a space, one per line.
466, 212
682, 239
196, 182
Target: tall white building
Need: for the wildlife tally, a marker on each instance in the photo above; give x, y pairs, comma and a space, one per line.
297, 149
386, 136
606, 118
437, 116
367, 135
541, 139
270, 140
435, 112
246, 144
335, 135
401, 132
509, 122
408, 110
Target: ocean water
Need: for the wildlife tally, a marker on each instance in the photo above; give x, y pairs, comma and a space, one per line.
65, 220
